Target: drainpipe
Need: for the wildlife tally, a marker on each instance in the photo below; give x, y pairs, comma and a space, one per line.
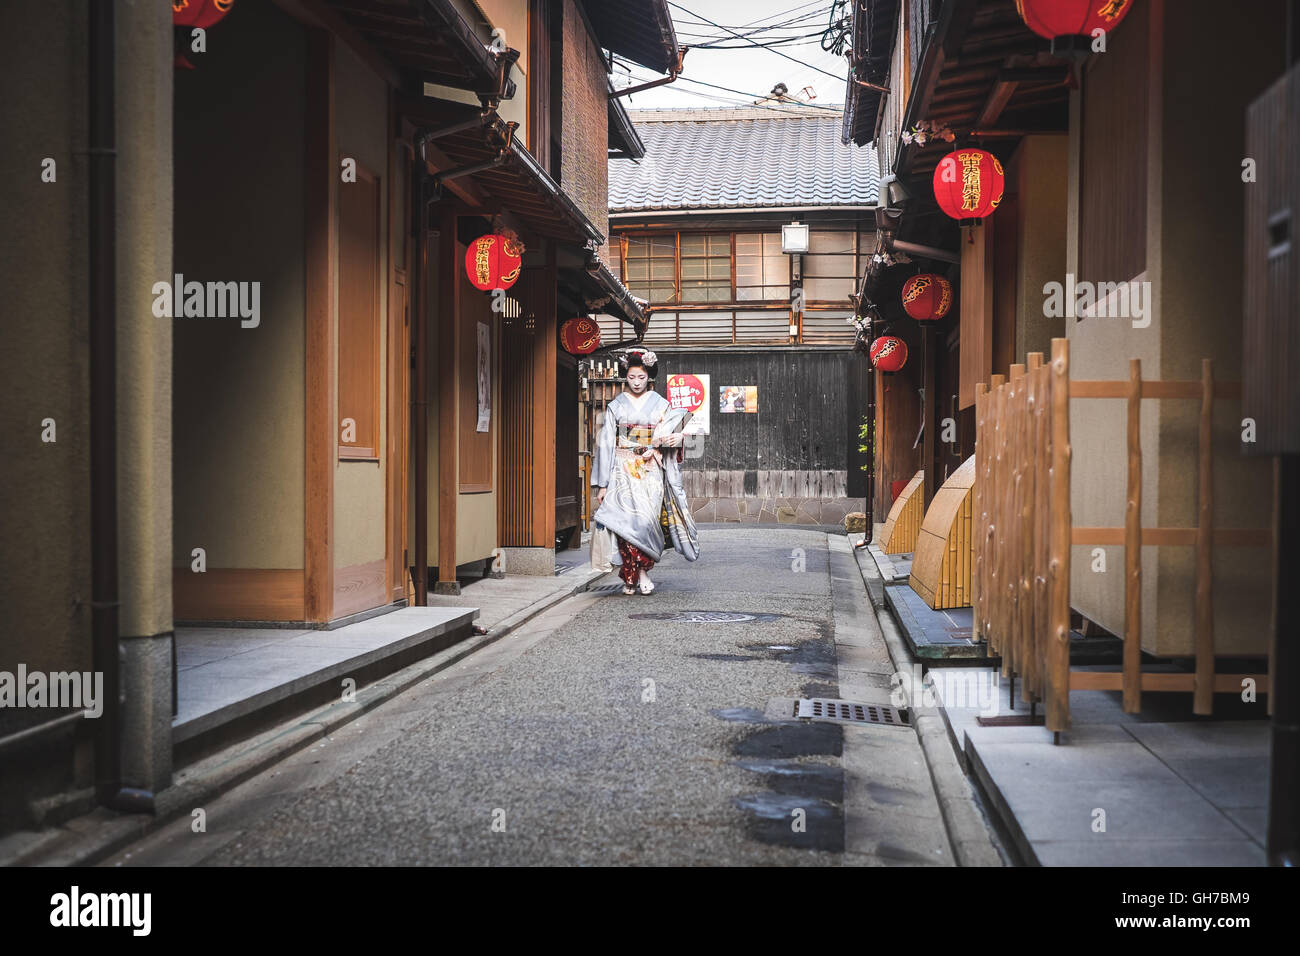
662, 81
102, 228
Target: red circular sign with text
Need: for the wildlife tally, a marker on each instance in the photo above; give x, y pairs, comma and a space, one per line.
685, 391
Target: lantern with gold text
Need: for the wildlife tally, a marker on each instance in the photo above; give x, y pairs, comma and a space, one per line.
493, 262
889, 353
927, 297
1057, 18
968, 184
580, 336
199, 13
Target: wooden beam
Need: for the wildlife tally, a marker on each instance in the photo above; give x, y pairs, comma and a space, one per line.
996, 102
318, 14
1174, 537
448, 396
320, 345
1117, 388
1164, 683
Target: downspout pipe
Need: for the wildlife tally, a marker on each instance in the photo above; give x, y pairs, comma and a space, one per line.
662, 81
102, 310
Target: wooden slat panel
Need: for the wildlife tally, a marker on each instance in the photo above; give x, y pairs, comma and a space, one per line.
904, 521
1271, 321
1113, 160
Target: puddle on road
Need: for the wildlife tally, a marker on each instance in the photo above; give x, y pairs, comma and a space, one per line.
778, 750
772, 819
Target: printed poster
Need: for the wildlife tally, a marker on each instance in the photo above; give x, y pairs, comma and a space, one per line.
691, 393
737, 398
484, 377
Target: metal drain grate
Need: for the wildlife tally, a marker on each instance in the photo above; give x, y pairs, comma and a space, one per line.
706, 617
849, 712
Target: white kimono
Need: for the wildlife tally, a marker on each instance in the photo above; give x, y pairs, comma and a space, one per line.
645, 500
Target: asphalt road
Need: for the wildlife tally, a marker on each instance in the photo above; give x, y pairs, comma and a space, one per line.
598, 733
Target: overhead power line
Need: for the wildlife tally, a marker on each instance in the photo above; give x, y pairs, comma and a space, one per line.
741, 36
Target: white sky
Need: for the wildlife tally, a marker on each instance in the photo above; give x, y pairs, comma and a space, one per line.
746, 68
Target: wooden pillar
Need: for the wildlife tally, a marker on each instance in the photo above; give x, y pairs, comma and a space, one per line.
448, 397
321, 345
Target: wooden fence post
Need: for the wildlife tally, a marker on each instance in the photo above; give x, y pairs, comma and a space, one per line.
1203, 700
1133, 546
1058, 646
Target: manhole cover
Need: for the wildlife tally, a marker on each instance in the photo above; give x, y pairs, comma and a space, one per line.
704, 617
849, 712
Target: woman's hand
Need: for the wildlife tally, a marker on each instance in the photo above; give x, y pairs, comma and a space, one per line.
670, 441
600, 496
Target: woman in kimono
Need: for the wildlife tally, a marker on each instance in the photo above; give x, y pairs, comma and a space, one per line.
638, 471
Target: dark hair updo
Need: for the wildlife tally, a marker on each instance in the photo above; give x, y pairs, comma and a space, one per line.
639, 358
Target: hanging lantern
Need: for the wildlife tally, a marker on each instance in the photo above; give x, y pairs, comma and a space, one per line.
968, 184
199, 13
580, 336
1057, 18
889, 353
493, 262
195, 15
927, 297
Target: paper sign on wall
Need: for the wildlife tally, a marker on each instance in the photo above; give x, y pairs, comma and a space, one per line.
484, 377
737, 398
691, 392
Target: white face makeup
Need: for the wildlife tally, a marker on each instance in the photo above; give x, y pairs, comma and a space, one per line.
637, 380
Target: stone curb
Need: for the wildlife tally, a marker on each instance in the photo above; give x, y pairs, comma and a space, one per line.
88, 839
968, 832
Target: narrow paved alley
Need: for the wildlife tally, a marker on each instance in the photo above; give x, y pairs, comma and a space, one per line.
613, 730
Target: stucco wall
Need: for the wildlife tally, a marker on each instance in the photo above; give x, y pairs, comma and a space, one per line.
44, 364
361, 123
239, 393
1194, 266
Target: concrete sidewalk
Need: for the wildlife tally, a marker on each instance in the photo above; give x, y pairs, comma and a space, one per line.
1160, 788
501, 605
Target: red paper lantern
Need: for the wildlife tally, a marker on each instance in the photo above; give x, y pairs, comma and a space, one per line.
580, 336
927, 297
1057, 18
968, 184
889, 353
199, 13
493, 262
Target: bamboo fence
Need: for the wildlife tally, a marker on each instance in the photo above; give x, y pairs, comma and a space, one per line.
1024, 534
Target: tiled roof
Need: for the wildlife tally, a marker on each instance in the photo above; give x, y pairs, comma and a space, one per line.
742, 159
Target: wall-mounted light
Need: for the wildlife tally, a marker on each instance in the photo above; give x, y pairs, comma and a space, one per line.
794, 238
